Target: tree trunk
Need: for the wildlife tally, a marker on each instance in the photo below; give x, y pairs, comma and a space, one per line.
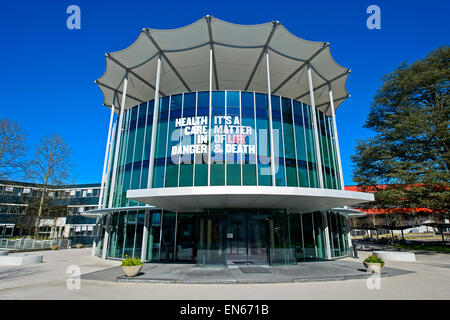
38, 218
55, 228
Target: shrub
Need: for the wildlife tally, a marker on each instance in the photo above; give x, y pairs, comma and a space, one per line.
131, 262
374, 259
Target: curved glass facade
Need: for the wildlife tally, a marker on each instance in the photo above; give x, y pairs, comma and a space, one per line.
238, 126
223, 237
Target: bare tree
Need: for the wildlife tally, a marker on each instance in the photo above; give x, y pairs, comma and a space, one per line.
12, 149
50, 167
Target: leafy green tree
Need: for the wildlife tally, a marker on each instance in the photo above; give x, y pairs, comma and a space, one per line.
406, 164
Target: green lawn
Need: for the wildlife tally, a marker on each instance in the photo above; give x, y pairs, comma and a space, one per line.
445, 249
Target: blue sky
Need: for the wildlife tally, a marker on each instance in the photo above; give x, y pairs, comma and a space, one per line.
47, 70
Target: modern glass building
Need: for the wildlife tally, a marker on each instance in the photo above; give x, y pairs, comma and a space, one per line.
222, 148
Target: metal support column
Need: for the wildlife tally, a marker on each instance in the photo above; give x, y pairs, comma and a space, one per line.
272, 150
105, 161
108, 170
151, 163
95, 232
336, 139
314, 123
326, 234
106, 238
145, 237
117, 146
210, 111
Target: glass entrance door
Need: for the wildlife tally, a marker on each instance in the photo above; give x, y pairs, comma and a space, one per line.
246, 240
257, 241
236, 241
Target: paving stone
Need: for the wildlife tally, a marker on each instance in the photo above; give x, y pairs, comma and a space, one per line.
190, 273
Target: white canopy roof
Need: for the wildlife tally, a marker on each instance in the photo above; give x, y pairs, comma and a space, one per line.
197, 199
238, 63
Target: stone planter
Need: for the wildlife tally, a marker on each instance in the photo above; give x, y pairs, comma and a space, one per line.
372, 267
131, 271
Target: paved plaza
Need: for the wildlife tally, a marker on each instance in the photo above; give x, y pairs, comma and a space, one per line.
427, 278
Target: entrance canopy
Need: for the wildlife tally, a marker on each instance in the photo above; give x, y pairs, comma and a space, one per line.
238, 63
198, 199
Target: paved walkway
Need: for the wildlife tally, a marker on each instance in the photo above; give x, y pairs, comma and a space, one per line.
428, 278
341, 269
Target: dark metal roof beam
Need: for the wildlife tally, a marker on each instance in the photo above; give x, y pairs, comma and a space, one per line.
315, 54
211, 42
116, 90
274, 27
335, 100
133, 73
324, 84
147, 32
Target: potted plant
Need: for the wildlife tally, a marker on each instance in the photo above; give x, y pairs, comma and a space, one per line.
131, 266
373, 264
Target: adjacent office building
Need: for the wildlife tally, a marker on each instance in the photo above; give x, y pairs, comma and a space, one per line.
223, 149
65, 201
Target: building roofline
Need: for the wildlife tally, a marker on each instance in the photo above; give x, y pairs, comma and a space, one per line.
38, 185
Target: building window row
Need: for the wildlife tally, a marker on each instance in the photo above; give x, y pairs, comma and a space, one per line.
240, 143
52, 193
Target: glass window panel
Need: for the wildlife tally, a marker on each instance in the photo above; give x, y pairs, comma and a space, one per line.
310, 147
296, 236
218, 98
233, 99
201, 175
308, 236
233, 174
247, 99
280, 178
161, 144
173, 140
263, 146
249, 174
187, 238
139, 234
118, 252
201, 159
289, 144
186, 175
211, 249
154, 229
186, 169
217, 174
148, 131
130, 231
281, 251
189, 100
144, 175
334, 234
203, 99
132, 133
168, 237
318, 231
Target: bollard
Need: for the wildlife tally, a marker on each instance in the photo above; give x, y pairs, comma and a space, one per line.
355, 251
